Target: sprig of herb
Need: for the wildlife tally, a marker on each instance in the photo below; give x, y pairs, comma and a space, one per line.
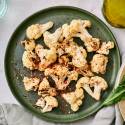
117, 94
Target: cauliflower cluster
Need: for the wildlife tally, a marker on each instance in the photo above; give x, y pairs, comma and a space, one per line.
45, 89
96, 82
62, 60
47, 104
99, 63
74, 98
61, 75
46, 56
35, 31
31, 83
30, 60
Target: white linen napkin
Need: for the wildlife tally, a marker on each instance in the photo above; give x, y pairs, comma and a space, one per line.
107, 116
13, 114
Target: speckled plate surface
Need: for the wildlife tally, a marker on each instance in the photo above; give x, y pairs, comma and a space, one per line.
15, 72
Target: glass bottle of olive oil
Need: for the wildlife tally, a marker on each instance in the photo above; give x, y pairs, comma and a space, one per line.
114, 12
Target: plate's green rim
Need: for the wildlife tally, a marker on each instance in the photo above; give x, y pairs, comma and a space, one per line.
19, 98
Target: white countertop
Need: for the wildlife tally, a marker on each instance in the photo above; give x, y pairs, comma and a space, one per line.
18, 10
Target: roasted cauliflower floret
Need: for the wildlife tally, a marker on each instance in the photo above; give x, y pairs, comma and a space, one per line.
99, 85
65, 32
69, 31
47, 104
96, 82
48, 92
61, 75
51, 39
36, 30
82, 82
92, 45
47, 56
41, 102
79, 59
105, 47
28, 44
44, 85
58, 73
72, 75
78, 29
65, 47
61, 48
77, 25
70, 47
58, 70
86, 23
45, 89
78, 54
85, 70
74, 98
31, 83
99, 63
30, 60
60, 82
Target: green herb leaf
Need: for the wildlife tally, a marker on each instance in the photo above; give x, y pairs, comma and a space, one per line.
117, 94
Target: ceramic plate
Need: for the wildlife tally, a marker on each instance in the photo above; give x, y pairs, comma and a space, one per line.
15, 70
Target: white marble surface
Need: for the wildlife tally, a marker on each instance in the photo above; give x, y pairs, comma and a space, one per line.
18, 10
